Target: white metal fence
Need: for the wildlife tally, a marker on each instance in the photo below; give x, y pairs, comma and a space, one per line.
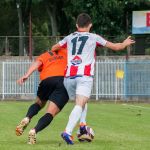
11, 71
107, 85
135, 83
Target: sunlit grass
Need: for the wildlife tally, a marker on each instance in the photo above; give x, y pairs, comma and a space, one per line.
116, 126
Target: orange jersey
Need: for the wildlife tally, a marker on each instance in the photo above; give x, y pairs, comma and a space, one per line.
53, 64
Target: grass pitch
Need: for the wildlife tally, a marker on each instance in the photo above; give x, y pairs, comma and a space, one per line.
116, 126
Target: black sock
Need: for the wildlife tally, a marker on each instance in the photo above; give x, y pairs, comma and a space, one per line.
33, 110
43, 122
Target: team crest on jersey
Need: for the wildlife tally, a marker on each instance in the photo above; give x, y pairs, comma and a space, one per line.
76, 60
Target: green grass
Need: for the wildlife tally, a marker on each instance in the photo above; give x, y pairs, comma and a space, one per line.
116, 126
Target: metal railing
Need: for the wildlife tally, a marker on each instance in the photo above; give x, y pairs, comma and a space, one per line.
134, 80
11, 71
107, 85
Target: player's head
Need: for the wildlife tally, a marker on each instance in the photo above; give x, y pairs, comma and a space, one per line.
84, 21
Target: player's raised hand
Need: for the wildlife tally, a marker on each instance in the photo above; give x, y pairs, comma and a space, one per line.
34, 66
128, 41
22, 79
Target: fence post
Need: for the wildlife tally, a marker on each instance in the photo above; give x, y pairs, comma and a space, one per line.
3, 81
125, 80
96, 80
6, 46
116, 89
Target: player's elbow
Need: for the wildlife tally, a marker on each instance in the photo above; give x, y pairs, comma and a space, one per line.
118, 46
53, 48
114, 46
56, 47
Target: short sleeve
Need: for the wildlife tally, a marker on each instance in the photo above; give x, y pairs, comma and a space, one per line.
63, 42
41, 59
100, 41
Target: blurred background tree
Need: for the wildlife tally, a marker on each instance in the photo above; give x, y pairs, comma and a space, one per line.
111, 19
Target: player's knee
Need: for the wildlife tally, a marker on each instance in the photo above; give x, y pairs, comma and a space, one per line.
53, 112
53, 109
81, 101
40, 103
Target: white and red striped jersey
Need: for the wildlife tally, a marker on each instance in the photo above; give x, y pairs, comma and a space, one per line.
81, 52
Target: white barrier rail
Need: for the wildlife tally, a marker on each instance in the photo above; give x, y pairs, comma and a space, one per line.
11, 71
107, 85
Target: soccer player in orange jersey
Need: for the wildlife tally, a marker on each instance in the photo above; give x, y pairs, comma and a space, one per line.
51, 66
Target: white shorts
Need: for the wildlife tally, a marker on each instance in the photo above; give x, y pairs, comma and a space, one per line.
78, 86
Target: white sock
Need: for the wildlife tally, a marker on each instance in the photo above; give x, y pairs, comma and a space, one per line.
83, 115
73, 119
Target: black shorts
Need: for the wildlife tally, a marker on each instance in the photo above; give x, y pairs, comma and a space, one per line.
52, 88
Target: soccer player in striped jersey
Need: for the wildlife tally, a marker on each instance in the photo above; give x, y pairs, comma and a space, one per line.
80, 67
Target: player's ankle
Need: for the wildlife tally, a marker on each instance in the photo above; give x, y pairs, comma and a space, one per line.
82, 124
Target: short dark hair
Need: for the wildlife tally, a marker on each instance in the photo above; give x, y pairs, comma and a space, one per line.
83, 20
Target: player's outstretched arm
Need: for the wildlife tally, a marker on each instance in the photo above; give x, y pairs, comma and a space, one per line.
34, 66
120, 46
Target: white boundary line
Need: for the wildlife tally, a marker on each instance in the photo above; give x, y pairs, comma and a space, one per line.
137, 106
